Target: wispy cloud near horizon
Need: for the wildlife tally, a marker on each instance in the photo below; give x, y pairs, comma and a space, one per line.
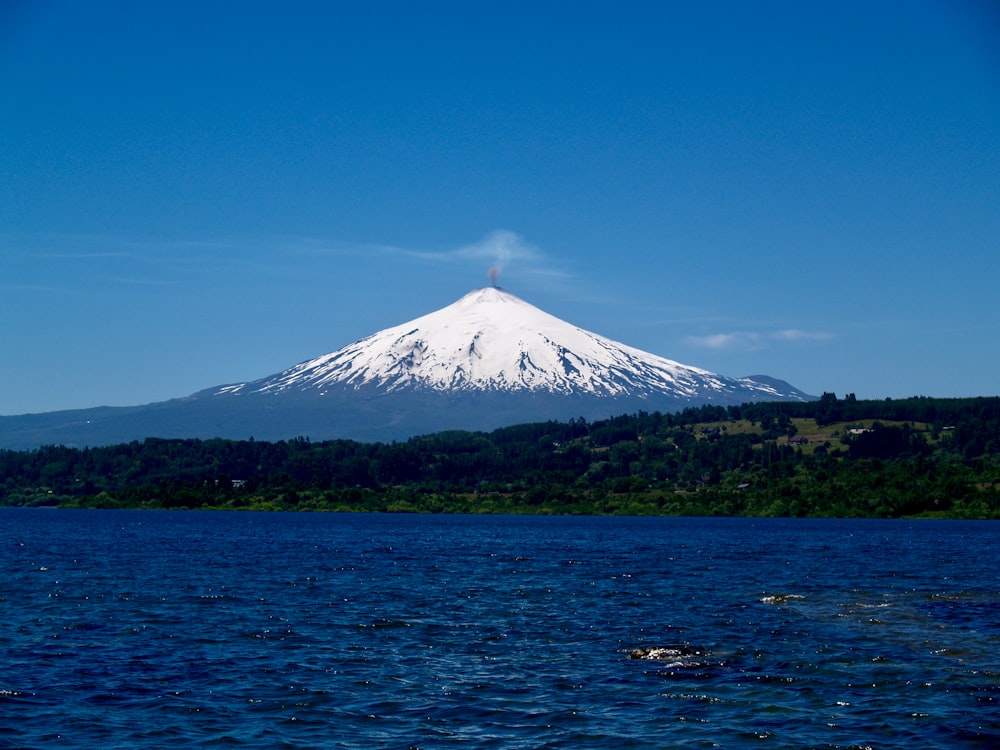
755, 340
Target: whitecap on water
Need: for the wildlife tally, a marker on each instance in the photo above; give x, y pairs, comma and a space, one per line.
673, 657
780, 598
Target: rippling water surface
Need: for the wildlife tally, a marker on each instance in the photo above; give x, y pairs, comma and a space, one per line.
126, 629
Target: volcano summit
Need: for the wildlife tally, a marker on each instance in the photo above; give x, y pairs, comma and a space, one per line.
488, 360
490, 341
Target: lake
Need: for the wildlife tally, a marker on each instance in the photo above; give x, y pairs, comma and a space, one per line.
136, 629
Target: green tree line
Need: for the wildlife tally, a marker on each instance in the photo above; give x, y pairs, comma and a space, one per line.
831, 457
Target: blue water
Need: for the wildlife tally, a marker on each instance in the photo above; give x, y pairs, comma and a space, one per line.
132, 629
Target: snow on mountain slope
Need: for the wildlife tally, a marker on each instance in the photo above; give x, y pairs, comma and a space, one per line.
489, 360
493, 341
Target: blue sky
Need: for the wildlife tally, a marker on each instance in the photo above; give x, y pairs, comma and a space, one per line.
200, 193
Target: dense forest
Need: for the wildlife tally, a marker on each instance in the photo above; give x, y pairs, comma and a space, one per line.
832, 457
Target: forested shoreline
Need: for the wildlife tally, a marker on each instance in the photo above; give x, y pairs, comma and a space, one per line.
916, 457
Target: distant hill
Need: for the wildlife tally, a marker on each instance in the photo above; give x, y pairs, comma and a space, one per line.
934, 458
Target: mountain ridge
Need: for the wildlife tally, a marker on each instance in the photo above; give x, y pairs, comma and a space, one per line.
491, 340
488, 360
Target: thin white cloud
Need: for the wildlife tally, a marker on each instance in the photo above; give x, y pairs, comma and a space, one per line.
498, 250
127, 260
754, 340
127, 281
795, 335
500, 247
739, 340
88, 246
83, 256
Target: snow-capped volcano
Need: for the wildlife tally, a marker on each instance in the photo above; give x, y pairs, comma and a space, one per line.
489, 360
492, 341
